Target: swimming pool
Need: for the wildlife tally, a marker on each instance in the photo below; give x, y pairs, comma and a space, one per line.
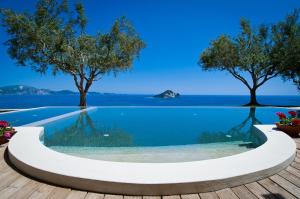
158, 134
27, 116
153, 150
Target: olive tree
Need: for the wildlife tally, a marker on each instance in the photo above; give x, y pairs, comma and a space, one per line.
251, 57
287, 49
54, 37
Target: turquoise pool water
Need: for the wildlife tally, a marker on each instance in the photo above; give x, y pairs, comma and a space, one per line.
149, 134
23, 117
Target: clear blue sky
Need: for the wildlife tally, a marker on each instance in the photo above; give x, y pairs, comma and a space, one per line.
175, 31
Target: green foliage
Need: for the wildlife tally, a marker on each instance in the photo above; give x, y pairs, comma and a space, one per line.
248, 52
263, 53
287, 50
54, 37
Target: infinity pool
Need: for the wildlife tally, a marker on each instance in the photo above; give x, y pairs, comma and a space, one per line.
152, 134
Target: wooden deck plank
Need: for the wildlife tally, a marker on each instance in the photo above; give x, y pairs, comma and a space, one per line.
274, 188
109, 196
287, 185
59, 193
7, 178
20, 181
5, 172
42, 192
2, 150
297, 140
190, 196
298, 145
3, 165
297, 159
8, 191
75, 194
171, 197
133, 197
151, 197
6, 169
295, 165
26, 190
13, 187
293, 170
243, 193
226, 194
290, 177
91, 195
259, 191
209, 195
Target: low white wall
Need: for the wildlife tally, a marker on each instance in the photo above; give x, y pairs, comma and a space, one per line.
29, 155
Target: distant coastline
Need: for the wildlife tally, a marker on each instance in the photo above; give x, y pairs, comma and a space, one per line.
30, 90
14, 90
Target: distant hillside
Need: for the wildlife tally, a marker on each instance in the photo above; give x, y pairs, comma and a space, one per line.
29, 90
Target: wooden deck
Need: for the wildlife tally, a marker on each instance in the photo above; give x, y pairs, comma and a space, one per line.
285, 184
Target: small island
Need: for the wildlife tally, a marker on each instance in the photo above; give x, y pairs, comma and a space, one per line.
167, 94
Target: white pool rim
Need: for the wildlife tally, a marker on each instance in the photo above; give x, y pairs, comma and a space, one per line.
30, 156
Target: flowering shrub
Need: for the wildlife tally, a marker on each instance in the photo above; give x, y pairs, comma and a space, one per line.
4, 124
293, 113
6, 130
295, 122
290, 120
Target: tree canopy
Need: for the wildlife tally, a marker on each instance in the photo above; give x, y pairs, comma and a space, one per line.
55, 37
287, 50
254, 56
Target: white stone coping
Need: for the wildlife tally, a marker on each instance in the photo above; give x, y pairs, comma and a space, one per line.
29, 155
13, 110
52, 119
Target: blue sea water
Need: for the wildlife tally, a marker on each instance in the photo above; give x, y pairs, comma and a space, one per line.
10, 101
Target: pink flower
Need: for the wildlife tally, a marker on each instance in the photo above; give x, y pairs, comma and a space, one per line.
11, 131
281, 115
7, 135
4, 124
293, 113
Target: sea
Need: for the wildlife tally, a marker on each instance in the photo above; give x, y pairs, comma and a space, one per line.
30, 101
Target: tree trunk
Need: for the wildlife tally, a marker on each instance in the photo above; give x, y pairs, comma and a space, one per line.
82, 99
82, 87
253, 101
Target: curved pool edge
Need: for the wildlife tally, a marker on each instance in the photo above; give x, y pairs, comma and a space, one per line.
29, 155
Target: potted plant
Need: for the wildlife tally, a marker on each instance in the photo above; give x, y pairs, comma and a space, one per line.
290, 125
6, 132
